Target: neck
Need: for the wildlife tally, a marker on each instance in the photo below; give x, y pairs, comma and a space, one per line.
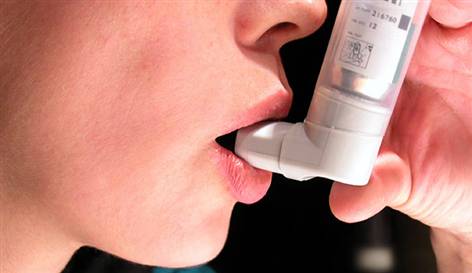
29, 242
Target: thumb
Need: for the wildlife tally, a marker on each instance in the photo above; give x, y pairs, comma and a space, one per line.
451, 13
389, 185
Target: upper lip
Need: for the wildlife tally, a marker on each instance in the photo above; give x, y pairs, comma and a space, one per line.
273, 107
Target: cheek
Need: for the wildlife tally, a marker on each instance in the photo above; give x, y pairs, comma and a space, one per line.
131, 163
134, 176
114, 141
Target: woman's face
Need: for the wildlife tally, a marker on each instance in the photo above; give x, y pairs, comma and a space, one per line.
109, 111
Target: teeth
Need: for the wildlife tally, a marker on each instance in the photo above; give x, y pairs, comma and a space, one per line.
227, 141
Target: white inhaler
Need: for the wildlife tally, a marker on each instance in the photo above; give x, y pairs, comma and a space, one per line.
365, 64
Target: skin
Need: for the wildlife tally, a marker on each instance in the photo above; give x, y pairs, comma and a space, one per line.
106, 125
107, 122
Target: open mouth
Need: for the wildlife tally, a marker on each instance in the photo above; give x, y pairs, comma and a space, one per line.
227, 141
273, 108
245, 182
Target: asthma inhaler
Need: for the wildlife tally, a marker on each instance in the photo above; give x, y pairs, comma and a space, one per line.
367, 58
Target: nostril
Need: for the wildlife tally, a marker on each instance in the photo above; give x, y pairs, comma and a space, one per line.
227, 141
284, 27
278, 35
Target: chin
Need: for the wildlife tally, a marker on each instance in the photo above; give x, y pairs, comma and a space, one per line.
179, 256
198, 256
176, 249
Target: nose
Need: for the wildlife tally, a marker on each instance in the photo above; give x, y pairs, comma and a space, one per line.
269, 24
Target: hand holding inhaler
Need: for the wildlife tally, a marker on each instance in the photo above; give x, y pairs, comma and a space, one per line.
365, 64
424, 165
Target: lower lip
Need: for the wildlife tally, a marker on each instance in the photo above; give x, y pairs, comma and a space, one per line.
246, 183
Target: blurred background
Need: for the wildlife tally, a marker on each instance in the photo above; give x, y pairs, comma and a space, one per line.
292, 228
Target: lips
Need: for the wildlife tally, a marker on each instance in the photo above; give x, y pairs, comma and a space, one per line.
246, 183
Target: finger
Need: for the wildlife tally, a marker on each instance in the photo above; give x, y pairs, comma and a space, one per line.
451, 13
389, 185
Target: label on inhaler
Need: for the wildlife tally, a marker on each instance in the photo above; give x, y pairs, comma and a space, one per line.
375, 35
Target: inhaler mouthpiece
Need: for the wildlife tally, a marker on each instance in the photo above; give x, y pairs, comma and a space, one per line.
361, 76
339, 142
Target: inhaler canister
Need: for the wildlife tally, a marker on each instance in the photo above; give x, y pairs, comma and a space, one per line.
362, 73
